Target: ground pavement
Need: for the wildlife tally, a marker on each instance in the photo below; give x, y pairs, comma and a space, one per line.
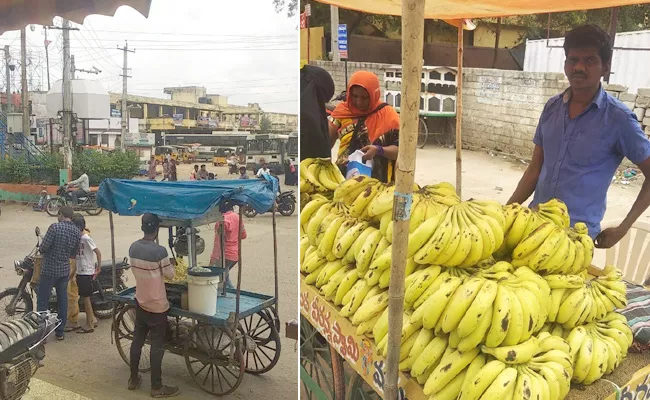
89, 365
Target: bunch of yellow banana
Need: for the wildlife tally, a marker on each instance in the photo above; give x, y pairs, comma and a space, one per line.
555, 211
319, 175
423, 207
358, 193
575, 302
441, 194
465, 234
549, 249
539, 368
599, 347
318, 215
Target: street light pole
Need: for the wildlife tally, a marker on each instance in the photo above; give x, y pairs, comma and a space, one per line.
23, 80
67, 100
8, 77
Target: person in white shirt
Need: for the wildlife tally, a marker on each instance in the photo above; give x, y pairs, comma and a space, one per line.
87, 271
83, 187
263, 171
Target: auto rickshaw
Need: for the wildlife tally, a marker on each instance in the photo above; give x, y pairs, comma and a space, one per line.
163, 151
221, 156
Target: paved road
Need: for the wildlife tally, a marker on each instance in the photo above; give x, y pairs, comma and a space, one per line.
90, 364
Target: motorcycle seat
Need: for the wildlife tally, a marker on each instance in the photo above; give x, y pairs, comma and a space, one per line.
119, 264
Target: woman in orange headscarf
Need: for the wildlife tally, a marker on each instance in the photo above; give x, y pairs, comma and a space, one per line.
364, 122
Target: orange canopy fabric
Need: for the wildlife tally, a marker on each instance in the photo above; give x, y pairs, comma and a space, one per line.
455, 9
16, 14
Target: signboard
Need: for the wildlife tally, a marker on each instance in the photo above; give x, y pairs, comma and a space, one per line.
178, 119
213, 122
139, 139
244, 122
252, 121
308, 10
639, 383
303, 21
116, 113
203, 121
358, 351
343, 41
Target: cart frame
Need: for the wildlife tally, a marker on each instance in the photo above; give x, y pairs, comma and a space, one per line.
249, 321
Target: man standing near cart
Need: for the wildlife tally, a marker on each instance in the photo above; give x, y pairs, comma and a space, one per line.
60, 244
581, 139
150, 265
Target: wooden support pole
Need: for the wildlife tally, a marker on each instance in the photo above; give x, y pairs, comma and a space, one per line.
412, 47
459, 114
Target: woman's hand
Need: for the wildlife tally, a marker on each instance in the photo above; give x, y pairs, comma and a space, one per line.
369, 151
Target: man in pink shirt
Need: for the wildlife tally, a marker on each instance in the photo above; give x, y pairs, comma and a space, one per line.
231, 237
150, 265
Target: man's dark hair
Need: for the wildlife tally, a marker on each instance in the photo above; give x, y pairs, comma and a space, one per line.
79, 221
196, 166
242, 167
590, 36
66, 212
150, 223
202, 165
225, 207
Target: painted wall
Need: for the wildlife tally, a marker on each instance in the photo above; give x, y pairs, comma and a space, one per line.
485, 36
316, 42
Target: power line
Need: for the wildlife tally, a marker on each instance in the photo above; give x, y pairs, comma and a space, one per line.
190, 34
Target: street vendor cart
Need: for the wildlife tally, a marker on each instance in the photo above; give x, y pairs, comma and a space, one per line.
335, 361
242, 336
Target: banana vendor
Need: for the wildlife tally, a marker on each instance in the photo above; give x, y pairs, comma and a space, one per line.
581, 139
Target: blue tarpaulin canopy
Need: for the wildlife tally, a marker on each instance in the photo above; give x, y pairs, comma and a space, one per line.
185, 200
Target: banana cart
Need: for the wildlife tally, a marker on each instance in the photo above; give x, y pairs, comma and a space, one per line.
336, 363
242, 336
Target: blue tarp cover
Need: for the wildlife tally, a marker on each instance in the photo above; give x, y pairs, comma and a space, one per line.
185, 199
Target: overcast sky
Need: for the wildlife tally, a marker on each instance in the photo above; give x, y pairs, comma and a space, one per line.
241, 49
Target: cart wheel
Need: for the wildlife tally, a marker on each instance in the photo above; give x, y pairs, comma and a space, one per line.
423, 132
261, 342
208, 358
124, 327
358, 389
322, 363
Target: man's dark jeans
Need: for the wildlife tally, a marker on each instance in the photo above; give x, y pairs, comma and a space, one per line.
154, 325
43, 298
75, 194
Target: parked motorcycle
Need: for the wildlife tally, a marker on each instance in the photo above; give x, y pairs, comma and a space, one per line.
22, 347
20, 300
87, 203
286, 204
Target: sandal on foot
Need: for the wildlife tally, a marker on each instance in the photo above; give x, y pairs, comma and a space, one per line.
165, 391
71, 328
134, 385
85, 330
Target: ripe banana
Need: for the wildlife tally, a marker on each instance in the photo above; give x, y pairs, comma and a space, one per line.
517, 354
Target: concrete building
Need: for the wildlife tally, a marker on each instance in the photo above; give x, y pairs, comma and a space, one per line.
281, 122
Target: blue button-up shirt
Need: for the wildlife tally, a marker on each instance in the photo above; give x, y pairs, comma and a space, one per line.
582, 154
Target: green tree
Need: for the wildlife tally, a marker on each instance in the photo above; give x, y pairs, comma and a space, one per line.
265, 124
288, 6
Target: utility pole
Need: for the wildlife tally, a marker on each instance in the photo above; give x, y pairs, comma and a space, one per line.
613, 21
67, 98
8, 77
125, 76
47, 59
334, 21
25, 90
74, 69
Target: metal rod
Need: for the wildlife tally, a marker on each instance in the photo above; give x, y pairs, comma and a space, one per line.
412, 27
110, 219
239, 264
222, 255
275, 257
459, 114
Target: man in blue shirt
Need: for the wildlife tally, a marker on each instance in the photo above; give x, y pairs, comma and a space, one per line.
582, 137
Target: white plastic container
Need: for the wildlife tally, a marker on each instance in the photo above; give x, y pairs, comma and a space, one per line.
202, 294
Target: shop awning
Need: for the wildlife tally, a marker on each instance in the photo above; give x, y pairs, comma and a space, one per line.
16, 14
456, 9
